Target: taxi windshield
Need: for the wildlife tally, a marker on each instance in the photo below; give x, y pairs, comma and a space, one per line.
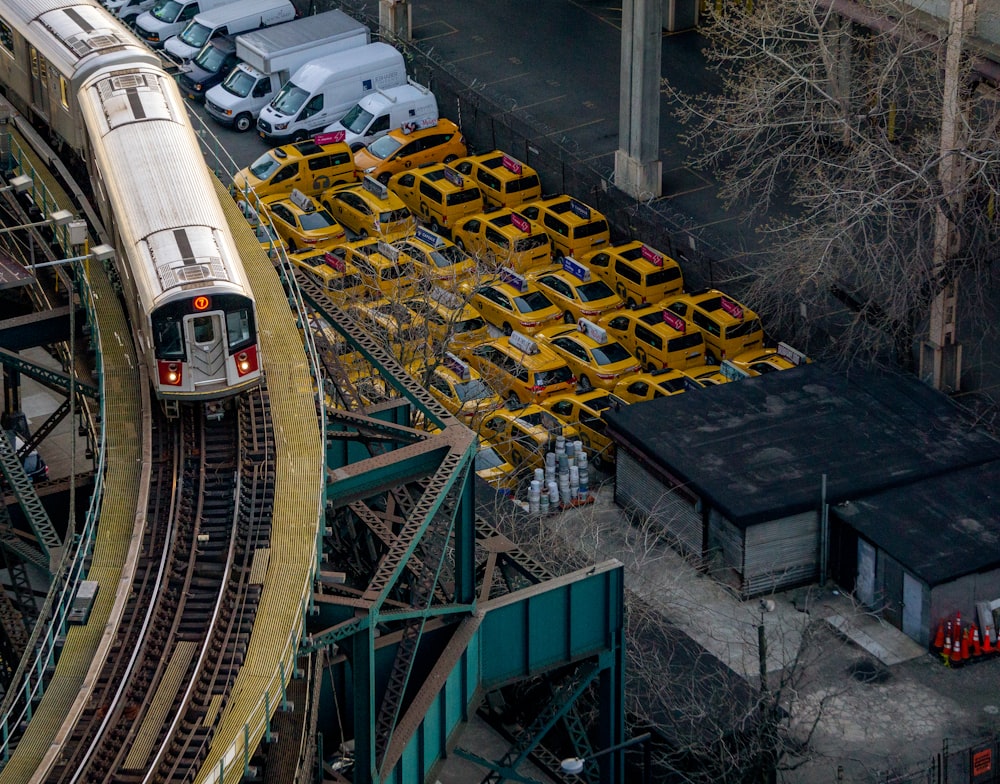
320, 219
530, 243
531, 301
595, 290
448, 256
488, 458
264, 166
384, 147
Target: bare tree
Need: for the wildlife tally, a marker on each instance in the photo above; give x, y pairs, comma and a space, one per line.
841, 119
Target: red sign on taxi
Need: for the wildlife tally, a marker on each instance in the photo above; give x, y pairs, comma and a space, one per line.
519, 222
330, 138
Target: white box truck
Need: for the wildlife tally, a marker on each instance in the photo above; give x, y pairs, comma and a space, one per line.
323, 90
228, 19
269, 57
385, 110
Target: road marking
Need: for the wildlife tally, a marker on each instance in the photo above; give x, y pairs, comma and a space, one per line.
575, 127
471, 56
507, 78
539, 103
451, 30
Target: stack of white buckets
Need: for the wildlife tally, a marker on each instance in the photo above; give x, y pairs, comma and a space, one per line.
564, 480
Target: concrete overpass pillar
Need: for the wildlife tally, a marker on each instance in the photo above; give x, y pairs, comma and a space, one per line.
638, 170
395, 19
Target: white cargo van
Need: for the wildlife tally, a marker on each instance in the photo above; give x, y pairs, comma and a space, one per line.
323, 90
228, 19
385, 110
168, 17
270, 56
128, 10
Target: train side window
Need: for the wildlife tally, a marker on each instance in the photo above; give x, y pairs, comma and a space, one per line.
238, 327
7, 37
63, 93
203, 329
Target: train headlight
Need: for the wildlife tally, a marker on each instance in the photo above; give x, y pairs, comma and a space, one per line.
171, 373
246, 361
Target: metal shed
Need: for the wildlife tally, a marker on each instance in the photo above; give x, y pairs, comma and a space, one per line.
740, 472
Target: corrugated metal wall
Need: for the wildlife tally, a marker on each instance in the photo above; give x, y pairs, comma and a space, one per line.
636, 488
781, 553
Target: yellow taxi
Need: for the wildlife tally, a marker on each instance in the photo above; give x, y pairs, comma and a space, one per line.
459, 388
504, 180
596, 359
504, 238
657, 337
400, 150
524, 436
438, 194
729, 327
305, 166
759, 361
509, 302
438, 261
705, 375
394, 326
337, 276
571, 287
451, 321
652, 384
639, 274
574, 227
494, 469
270, 242
520, 369
301, 222
586, 412
384, 272
369, 210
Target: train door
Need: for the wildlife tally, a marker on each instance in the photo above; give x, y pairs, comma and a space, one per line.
205, 333
39, 83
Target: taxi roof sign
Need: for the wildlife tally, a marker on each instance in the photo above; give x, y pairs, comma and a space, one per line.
429, 237
793, 355
300, 200
674, 321
456, 366
513, 279
334, 261
389, 251
732, 308
511, 164
330, 138
375, 188
453, 177
733, 373
447, 298
650, 255
523, 343
580, 209
593, 331
519, 222
576, 269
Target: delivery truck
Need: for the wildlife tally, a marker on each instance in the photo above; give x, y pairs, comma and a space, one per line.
270, 56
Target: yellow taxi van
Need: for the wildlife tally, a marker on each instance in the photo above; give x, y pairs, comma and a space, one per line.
639, 274
657, 337
729, 327
339, 279
520, 369
305, 166
573, 227
438, 195
504, 180
504, 238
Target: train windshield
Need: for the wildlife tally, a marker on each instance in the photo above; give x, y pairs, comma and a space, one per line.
167, 337
239, 328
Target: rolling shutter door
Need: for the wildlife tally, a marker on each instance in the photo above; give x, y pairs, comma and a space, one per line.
781, 553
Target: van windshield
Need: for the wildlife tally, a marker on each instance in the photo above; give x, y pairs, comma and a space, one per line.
195, 34
289, 99
166, 11
239, 83
211, 59
357, 119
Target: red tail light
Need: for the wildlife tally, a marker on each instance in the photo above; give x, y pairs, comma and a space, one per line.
246, 361
170, 373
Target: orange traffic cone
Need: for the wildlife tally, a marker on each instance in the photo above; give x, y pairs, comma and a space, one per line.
977, 650
988, 648
965, 645
956, 652
946, 650
939, 638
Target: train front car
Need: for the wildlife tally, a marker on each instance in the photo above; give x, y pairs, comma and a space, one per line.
49, 47
188, 292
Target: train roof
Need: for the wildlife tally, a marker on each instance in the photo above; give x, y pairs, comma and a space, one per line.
72, 34
160, 188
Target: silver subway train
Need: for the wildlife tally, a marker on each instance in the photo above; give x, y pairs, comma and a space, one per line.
79, 72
